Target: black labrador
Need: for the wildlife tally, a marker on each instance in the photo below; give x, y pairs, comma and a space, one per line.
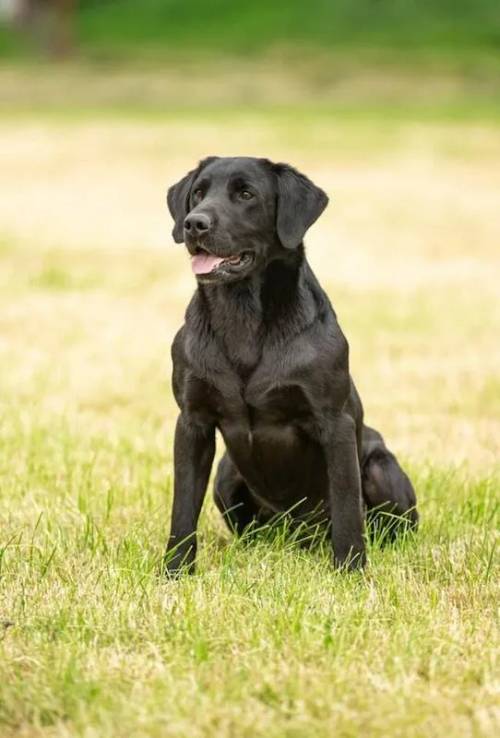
261, 358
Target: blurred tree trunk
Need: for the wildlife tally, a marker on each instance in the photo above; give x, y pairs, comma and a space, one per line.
50, 23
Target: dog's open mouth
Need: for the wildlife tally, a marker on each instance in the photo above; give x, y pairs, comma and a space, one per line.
204, 262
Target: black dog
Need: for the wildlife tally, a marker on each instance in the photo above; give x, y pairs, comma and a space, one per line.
262, 358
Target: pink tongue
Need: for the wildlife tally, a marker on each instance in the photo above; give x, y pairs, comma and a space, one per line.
204, 263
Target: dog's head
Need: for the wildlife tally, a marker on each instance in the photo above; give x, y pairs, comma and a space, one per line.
237, 214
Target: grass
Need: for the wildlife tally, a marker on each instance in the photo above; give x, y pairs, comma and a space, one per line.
450, 28
293, 88
371, 58
266, 639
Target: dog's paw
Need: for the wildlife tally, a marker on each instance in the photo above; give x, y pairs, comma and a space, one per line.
179, 561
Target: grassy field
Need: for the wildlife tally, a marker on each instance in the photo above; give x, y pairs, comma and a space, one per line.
266, 640
450, 28
454, 29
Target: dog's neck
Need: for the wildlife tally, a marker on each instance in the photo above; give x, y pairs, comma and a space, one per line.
269, 304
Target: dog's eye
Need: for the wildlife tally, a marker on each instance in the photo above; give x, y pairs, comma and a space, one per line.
197, 194
245, 195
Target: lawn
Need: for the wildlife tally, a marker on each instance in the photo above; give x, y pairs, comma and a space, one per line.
266, 640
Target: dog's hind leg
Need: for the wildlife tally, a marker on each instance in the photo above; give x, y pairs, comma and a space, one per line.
388, 493
234, 500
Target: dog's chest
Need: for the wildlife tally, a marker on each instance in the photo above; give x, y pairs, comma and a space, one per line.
226, 398
260, 411
266, 433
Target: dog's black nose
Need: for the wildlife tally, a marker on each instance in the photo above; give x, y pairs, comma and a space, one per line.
197, 224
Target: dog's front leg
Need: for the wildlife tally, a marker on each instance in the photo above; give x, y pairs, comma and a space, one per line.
194, 449
347, 524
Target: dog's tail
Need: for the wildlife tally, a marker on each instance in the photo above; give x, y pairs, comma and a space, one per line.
387, 491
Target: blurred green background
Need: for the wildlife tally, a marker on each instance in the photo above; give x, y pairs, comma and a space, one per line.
421, 56
117, 28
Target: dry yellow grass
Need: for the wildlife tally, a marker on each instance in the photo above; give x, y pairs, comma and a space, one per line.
93, 289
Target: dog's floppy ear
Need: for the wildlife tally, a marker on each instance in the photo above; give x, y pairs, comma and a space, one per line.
178, 198
300, 203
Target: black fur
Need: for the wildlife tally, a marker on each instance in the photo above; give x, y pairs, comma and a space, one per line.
261, 358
